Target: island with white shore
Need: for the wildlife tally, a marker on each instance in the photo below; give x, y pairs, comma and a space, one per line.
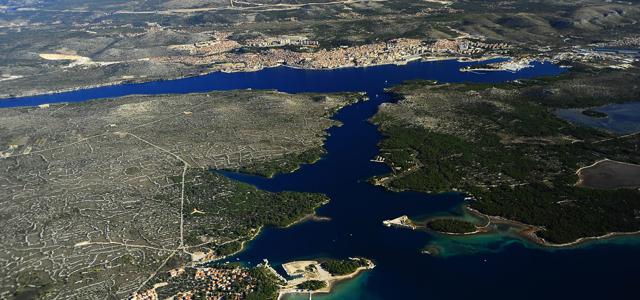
319, 276
401, 221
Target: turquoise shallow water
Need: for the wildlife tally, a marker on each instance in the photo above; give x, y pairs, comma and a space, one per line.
498, 266
356, 288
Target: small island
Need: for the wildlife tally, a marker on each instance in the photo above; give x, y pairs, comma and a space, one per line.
594, 114
444, 225
319, 276
451, 226
402, 221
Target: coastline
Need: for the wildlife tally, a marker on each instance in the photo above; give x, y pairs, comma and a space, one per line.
331, 282
528, 232
255, 234
35, 93
323, 151
525, 231
311, 216
219, 258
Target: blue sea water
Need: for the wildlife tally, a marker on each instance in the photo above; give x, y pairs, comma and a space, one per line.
622, 118
497, 266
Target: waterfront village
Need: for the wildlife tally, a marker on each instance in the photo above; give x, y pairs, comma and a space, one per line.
220, 53
223, 53
233, 282
211, 282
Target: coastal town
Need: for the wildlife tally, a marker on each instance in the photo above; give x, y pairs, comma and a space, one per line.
221, 52
227, 281
217, 282
224, 53
319, 276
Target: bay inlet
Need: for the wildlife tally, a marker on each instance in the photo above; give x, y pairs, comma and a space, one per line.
500, 265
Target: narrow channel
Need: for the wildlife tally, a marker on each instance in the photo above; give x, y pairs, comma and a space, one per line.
499, 265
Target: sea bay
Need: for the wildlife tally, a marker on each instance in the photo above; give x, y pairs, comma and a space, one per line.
501, 264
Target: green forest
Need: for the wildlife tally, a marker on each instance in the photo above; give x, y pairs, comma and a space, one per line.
342, 267
312, 285
513, 154
233, 209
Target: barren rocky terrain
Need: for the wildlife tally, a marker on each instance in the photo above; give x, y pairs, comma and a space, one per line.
99, 196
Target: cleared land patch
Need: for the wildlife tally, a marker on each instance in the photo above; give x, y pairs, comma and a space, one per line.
609, 174
56, 56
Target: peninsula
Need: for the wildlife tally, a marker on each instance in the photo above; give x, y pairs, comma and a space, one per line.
319, 276
115, 192
518, 162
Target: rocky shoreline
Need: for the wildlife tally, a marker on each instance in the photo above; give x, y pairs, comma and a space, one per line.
140, 80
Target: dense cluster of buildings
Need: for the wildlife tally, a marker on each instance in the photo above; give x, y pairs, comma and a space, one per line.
208, 47
437, 10
394, 51
615, 58
463, 46
281, 41
211, 283
219, 44
145, 295
371, 54
626, 42
225, 283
